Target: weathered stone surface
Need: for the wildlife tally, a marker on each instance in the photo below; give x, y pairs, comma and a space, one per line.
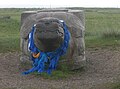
75, 23
49, 34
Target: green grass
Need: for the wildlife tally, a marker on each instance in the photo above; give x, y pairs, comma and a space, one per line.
62, 72
58, 74
102, 28
9, 30
9, 35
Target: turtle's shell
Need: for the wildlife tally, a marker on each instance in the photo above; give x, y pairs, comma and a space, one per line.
73, 22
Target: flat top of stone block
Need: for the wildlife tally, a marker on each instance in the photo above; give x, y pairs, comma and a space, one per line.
75, 11
53, 10
29, 12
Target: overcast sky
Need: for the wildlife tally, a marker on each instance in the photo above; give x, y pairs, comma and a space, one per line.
58, 3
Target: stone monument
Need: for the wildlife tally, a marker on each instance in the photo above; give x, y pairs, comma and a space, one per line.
75, 21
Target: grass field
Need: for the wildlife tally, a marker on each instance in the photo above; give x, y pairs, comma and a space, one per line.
102, 29
9, 30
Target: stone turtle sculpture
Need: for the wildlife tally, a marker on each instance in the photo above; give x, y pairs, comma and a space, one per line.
49, 34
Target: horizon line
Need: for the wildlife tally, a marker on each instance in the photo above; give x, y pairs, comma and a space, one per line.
55, 7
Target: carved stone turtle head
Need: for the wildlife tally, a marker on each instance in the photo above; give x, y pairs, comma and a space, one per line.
49, 34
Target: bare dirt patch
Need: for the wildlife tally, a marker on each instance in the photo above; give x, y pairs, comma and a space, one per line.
103, 66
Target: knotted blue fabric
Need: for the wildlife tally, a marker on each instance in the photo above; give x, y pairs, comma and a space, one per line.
47, 61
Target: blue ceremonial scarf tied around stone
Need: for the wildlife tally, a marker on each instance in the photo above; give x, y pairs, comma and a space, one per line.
39, 64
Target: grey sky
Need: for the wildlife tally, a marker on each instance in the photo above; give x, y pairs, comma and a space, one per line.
59, 3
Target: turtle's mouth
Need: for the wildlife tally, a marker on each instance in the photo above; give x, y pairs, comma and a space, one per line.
49, 40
